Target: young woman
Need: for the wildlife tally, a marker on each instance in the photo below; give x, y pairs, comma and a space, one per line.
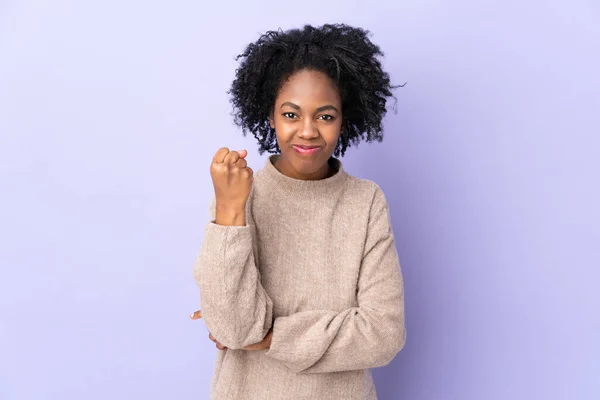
299, 277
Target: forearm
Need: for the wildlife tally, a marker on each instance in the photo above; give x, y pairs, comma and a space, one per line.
235, 306
323, 341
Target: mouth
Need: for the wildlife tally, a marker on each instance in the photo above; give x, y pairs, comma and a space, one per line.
306, 150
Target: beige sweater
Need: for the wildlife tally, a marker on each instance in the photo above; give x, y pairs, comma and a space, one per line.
316, 262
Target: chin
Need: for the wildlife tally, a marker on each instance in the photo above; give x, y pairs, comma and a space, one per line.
305, 165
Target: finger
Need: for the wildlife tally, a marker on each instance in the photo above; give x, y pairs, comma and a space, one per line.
196, 315
232, 157
220, 346
241, 163
243, 153
212, 338
220, 155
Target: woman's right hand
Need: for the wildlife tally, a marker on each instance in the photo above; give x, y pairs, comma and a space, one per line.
232, 180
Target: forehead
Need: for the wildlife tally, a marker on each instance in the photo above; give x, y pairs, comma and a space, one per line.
307, 87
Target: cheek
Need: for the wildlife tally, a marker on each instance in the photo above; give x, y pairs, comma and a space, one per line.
331, 135
283, 130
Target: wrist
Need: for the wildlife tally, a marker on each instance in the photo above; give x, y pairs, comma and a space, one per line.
230, 215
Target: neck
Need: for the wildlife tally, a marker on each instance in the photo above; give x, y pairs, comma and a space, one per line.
304, 189
325, 171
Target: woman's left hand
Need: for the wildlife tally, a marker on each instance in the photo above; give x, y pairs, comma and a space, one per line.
262, 345
198, 315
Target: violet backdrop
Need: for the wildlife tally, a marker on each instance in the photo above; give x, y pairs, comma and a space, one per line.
110, 113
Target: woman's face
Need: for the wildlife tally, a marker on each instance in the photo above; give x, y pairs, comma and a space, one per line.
307, 119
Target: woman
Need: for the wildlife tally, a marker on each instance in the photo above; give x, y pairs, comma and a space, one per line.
298, 272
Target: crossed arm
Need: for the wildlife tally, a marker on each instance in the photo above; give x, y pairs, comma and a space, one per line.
239, 313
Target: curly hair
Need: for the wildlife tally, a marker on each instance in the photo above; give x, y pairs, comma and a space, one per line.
342, 52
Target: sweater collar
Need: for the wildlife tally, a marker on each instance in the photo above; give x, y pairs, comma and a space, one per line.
298, 186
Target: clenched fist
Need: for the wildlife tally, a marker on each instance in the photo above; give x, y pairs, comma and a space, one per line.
232, 180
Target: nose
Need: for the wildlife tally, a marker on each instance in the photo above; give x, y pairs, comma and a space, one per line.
308, 130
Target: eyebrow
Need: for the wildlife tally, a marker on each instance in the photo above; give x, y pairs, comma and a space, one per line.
327, 107
320, 109
287, 103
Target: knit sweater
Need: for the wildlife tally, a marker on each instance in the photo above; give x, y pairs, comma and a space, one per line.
317, 263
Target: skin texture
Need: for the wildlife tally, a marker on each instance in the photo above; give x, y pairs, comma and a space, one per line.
307, 112
232, 181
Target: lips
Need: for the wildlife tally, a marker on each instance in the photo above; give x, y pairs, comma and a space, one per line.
306, 149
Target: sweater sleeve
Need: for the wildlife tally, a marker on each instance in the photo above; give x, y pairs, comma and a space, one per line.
235, 307
367, 336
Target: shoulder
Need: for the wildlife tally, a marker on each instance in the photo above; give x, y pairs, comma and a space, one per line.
373, 201
365, 190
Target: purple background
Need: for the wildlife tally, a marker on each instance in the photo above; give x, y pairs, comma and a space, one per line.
110, 112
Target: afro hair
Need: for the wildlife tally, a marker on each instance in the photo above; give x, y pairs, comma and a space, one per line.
344, 53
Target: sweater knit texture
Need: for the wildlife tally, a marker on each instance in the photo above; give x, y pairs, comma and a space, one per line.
317, 263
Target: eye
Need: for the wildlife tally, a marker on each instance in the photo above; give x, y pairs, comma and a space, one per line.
327, 117
289, 115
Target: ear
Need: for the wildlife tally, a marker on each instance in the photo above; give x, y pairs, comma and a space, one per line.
272, 122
